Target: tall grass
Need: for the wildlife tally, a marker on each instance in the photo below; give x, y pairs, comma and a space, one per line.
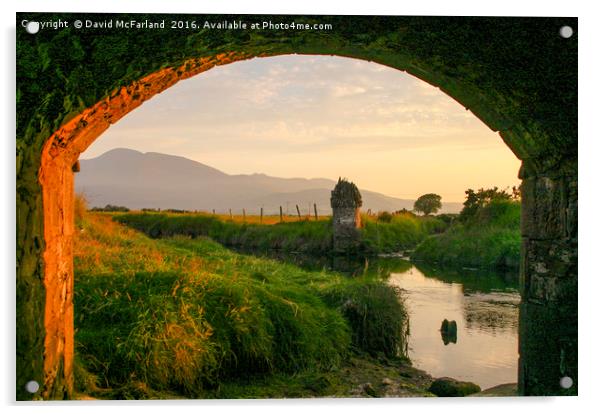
491, 239
303, 236
80, 205
376, 313
398, 232
184, 315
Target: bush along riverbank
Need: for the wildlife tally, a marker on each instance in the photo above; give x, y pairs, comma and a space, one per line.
182, 317
486, 236
382, 234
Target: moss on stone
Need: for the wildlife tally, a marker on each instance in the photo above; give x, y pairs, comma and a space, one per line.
345, 194
449, 387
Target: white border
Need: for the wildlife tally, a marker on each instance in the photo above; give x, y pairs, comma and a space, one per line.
372, 7
590, 156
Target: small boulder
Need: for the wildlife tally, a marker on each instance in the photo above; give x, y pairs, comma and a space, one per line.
388, 381
449, 331
452, 329
444, 325
450, 387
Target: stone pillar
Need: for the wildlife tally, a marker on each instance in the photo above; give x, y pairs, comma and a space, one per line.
57, 180
31, 293
548, 312
345, 201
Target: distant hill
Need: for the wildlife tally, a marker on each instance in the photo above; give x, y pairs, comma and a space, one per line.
153, 180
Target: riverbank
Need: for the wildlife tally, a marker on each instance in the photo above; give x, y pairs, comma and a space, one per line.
489, 239
185, 317
358, 377
398, 233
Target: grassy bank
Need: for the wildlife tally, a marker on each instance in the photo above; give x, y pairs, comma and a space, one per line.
304, 236
399, 232
489, 239
186, 317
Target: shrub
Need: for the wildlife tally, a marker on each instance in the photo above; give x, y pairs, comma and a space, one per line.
475, 200
376, 314
345, 194
385, 217
447, 218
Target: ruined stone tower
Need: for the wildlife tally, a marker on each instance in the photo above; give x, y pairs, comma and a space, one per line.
345, 201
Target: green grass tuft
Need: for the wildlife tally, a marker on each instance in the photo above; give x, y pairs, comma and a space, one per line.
182, 316
376, 313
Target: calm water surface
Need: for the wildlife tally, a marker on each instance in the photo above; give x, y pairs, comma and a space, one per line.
485, 308
483, 304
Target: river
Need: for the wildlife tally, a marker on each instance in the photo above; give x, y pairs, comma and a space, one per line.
485, 308
484, 305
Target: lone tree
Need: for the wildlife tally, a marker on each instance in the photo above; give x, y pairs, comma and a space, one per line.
428, 204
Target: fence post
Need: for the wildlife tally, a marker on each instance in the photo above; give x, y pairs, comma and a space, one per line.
261, 216
298, 211
316, 211
230, 210
244, 215
281, 214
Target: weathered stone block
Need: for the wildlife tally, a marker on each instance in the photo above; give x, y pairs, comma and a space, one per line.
345, 201
548, 345
543, 213
550, 258
549, 208
346, 235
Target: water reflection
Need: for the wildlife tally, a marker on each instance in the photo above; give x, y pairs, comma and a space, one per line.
354, 266
485, 308
483, 347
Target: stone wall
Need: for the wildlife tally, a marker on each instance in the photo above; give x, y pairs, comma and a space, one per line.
345, 230
548, 313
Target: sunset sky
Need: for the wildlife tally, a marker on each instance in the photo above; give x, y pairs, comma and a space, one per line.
310, 116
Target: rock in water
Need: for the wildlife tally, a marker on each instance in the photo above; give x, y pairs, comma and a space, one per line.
444, 325
449, 331
450, 387
453, 328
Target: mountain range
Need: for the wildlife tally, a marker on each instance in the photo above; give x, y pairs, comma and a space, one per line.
139, 180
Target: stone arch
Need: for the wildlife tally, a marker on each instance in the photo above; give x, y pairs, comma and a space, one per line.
472, 60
